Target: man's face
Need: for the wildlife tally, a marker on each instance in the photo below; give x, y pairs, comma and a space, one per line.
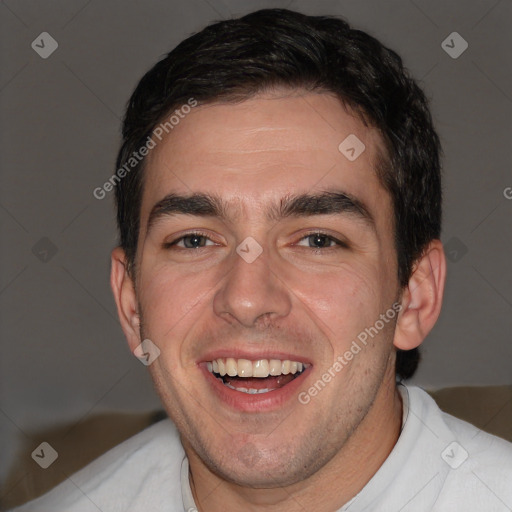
304, 299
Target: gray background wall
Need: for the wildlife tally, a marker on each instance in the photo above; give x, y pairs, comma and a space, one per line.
63, 355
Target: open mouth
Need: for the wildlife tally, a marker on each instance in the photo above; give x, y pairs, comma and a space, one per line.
255, 377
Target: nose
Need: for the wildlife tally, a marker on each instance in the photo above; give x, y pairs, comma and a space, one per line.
252, 293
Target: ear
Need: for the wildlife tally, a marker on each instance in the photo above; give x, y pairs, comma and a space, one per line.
422, 298
125, 297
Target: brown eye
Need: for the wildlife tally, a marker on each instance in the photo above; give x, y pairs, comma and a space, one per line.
190, 241
320, 241
194, 241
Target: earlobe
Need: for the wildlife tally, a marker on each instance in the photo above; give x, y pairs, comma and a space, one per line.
422, 298
124, 294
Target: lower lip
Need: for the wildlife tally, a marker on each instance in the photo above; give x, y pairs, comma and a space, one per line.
260, 402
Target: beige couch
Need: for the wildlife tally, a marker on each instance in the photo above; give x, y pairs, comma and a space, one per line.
489, 408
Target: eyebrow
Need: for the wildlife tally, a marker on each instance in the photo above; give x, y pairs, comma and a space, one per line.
330, 202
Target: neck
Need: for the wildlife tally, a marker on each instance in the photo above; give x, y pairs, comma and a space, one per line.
328, 489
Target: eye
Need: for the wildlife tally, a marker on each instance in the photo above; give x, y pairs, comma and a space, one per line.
190, 241
320, 240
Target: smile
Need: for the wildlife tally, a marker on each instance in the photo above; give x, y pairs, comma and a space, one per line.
255, 377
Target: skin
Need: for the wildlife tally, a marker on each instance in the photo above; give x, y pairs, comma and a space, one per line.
291, 299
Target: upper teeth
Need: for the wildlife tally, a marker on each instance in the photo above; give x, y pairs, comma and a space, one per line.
260, 368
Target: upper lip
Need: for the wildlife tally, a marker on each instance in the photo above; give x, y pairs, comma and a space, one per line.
237, 353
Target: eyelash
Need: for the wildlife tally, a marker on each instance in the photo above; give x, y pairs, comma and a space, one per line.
169, 245
340, 244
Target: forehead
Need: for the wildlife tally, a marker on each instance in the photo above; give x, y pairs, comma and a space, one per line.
256, 151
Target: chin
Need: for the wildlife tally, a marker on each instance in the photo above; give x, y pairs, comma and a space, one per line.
255, 467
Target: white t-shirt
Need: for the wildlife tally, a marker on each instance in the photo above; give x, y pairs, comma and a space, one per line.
439, 463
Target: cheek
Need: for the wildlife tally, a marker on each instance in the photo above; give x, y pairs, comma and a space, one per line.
170, 301
341, 303
172, 306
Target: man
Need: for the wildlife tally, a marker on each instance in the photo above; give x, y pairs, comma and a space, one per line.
279, 205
